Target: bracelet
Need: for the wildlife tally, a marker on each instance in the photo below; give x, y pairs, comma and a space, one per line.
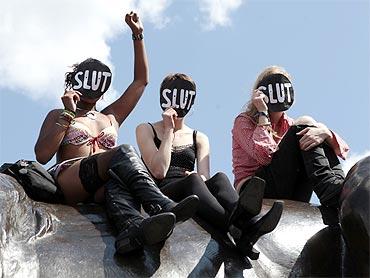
266, 124
73, 113
59, 124
138, 37
67, 115
262, 114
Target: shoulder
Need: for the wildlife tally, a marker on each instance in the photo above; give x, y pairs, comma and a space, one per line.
201, 138
244, 119
143, 128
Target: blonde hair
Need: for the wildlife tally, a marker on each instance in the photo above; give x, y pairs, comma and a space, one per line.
249, 108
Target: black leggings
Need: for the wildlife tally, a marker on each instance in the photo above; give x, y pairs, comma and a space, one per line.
293, 174
216, 195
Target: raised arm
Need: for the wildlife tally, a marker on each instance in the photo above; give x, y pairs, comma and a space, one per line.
123, 106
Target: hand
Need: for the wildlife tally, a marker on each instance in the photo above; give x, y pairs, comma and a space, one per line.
312, 137
169, 116
70, 99
259, 101
133, 21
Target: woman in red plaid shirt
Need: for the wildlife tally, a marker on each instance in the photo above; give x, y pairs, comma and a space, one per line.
294, 158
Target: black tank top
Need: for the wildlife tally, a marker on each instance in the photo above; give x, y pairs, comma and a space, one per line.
182, 158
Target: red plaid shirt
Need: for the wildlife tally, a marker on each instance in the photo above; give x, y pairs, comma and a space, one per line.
253, 145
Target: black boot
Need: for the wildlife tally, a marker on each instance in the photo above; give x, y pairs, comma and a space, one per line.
133, 230
249, 204
257, 227
128, 168
149, 231
326, 176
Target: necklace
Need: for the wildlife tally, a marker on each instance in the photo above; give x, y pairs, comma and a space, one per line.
90, 114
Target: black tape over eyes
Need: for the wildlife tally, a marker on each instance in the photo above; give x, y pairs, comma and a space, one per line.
179, 95
279, 91
92, 78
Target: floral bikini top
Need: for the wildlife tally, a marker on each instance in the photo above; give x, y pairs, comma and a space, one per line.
79, 134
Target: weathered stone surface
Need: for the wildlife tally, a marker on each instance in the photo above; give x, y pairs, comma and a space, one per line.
44, 240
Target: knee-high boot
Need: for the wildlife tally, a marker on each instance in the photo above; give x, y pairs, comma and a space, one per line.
134, 231
326, 177
246, 227
127, 167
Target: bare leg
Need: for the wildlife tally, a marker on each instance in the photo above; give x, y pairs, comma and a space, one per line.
70, 183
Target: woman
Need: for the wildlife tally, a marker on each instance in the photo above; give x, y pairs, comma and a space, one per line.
84, 141
293, 157
170, 149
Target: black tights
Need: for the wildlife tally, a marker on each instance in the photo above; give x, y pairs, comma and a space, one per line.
216, 195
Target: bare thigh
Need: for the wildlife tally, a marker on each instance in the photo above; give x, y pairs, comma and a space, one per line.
70, 183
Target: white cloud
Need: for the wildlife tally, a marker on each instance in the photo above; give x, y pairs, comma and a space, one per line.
39, 39
352, 159
217, 12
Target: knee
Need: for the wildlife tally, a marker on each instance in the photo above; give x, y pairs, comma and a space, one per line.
219, 177
305, 120
126, 148
194, 178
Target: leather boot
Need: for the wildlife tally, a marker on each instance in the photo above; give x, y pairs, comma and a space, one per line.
326, 183
133, 230
249, 204
257, 227
149, 231
128, 168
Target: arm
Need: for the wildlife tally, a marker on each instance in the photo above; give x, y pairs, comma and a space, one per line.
313, 136
54, 127
123, 106
254, 140
203, 151
50, 137
157, 160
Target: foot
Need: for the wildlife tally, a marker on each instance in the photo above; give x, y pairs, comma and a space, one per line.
249, 202
253, 230
184, 209
150, 231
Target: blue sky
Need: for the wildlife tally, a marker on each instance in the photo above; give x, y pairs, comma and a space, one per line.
223, 45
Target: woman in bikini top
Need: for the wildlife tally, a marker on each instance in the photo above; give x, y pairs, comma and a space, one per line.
80, 131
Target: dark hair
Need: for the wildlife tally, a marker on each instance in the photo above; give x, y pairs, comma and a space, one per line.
69, 75
173, 76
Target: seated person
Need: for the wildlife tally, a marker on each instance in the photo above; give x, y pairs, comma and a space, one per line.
170, 150
84, 141
293, 157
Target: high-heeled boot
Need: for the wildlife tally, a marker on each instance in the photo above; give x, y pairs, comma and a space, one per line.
245, 226
134, 231
256, 227
127, 167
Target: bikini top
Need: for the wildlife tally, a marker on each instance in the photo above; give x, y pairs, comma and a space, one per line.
182, 157
79, 134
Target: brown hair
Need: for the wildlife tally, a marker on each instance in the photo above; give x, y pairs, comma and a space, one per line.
173, 76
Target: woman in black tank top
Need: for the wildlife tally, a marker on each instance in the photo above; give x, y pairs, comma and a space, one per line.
170, 150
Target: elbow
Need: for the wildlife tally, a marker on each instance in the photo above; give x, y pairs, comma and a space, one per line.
142, 82
159, 174
41, 156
